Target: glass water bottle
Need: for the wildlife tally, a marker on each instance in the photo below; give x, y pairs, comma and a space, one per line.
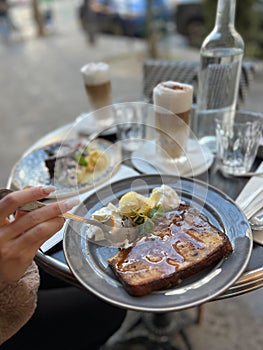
221, 57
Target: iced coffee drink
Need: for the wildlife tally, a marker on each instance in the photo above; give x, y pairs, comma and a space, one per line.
96, 77
172, 129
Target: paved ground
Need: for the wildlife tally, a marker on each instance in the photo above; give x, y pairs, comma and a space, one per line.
41, 89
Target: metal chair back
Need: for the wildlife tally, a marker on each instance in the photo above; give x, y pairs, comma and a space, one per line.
156, 71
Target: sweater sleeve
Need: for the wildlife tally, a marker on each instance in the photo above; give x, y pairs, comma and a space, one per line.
18, 302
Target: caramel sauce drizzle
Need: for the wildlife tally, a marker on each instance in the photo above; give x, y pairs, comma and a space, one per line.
163, 249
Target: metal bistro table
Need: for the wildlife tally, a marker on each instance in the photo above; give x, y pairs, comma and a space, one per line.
54, 263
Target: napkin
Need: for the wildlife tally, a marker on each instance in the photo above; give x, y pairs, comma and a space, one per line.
123, 172
250, 205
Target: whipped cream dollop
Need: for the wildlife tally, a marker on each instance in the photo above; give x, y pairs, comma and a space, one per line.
166, 197
95, 73
174, 96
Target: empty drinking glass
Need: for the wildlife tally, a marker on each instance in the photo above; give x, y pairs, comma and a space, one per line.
238, 142
130, 120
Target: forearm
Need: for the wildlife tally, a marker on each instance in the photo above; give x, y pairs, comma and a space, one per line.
18, 302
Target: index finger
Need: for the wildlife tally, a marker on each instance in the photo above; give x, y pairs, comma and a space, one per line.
12, 201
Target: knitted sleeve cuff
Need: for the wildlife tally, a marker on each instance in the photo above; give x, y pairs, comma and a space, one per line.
18, 301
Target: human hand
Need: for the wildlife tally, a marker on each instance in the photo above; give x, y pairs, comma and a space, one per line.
22, 237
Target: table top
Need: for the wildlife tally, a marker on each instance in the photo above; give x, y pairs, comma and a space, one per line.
53, 261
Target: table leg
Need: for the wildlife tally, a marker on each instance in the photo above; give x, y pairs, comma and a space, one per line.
147, 331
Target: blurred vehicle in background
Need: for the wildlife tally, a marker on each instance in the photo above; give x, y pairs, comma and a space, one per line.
129, 17
190, 20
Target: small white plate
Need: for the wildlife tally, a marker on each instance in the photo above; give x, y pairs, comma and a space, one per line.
198, 160
87, 124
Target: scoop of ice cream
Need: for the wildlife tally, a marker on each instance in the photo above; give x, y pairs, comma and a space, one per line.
174, 96
133, 202
166, 197
95, 73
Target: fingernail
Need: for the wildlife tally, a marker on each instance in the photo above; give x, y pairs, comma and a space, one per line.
48, 189
69, 204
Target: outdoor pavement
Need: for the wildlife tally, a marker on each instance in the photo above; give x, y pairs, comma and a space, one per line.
41, 89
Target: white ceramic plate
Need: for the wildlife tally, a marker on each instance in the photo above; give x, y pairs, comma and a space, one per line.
198, 160
87, 124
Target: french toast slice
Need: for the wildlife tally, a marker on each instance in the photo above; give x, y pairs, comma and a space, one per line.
182, 243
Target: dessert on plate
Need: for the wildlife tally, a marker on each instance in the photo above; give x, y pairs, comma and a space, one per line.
174, 241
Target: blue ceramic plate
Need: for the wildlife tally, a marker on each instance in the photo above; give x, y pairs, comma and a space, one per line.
31, 170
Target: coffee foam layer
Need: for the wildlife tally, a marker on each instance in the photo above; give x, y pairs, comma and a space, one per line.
95, 73
174, 96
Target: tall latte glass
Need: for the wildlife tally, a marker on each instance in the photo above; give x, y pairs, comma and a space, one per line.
97, 82
173, 131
